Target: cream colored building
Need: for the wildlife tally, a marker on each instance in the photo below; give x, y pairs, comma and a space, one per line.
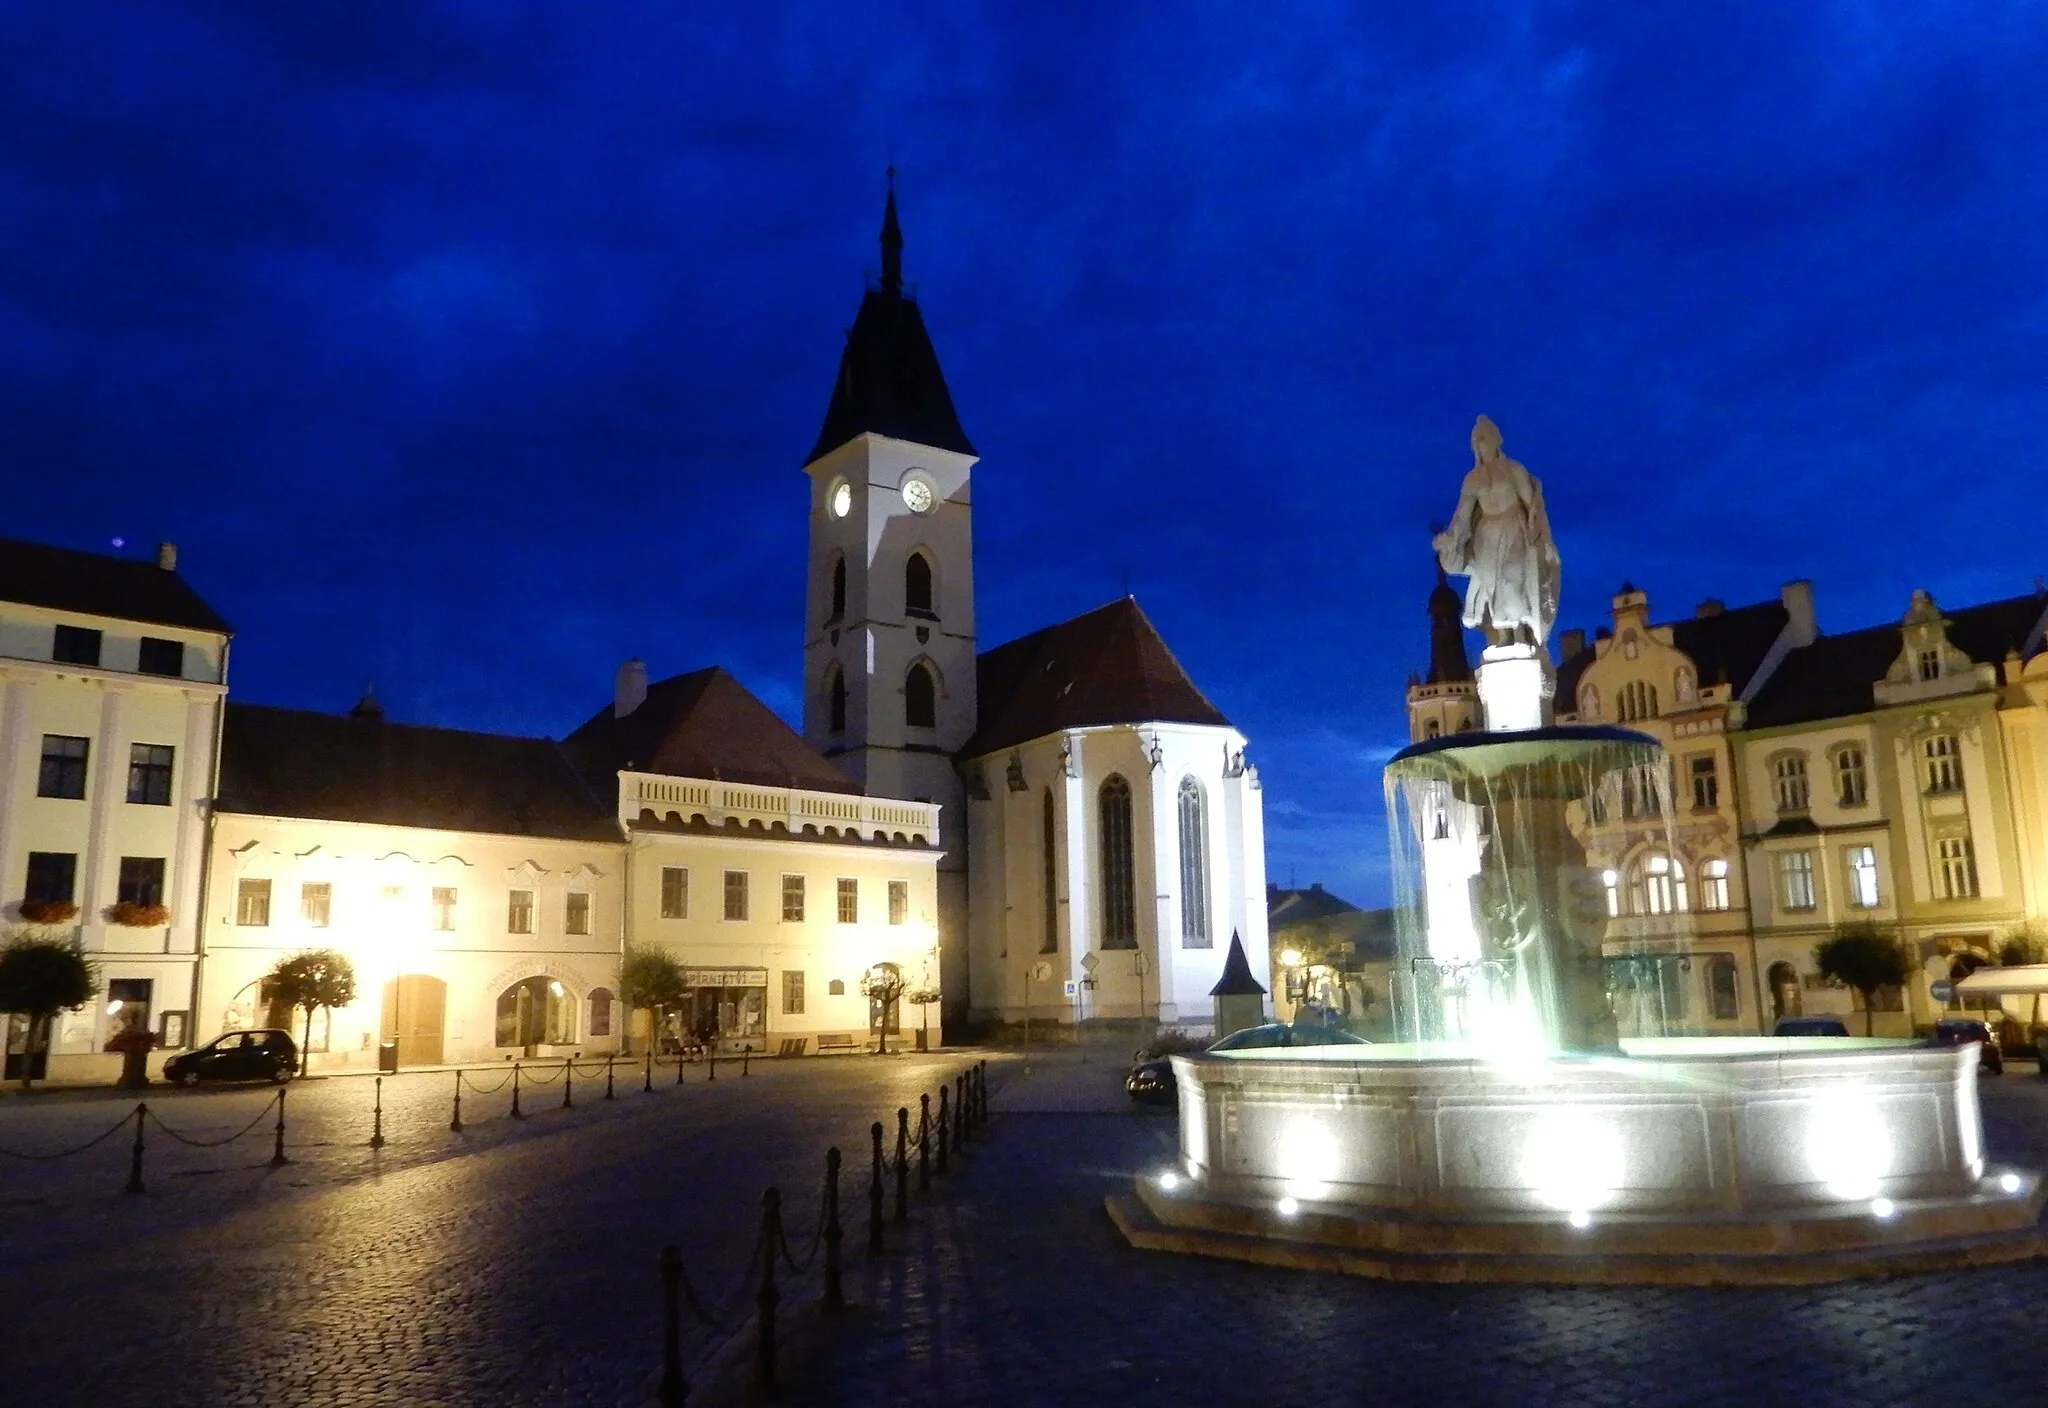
112, 675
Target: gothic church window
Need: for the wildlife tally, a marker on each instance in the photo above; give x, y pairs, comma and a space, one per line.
1049, 941
917, 587
920, 698
838, 590
835, 700
1119, 888
1194, 867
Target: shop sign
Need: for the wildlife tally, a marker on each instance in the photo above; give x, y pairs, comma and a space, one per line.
725, 977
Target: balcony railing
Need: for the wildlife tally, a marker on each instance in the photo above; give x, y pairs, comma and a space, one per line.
793, 807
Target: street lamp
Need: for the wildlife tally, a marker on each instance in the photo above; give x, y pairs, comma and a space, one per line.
1290, 962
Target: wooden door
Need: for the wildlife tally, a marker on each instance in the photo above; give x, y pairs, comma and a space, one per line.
415, 1012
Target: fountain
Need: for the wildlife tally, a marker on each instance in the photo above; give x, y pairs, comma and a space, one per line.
1550, 1115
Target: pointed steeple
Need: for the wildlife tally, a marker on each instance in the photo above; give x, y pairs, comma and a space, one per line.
1237, 979
1448, 662
892, 242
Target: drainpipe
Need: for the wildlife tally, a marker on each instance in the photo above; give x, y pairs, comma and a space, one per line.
220, 720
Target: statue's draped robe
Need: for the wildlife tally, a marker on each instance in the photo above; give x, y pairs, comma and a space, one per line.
1500, 538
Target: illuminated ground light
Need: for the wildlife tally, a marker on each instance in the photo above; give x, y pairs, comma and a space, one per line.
1848, 1143
1573, 1160
1288, 1207
1580, 1219
2008, 1183
1884, 1209
1169, 1180
1308, 1158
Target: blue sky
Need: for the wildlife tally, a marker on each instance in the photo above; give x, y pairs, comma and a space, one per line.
471, 348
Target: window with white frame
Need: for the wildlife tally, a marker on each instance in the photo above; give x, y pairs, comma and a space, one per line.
1941, 765
1194, 866
444, 908
1958, 868
316, 904
1610, 882
1664, 884
252, 903
675, 892
849, 900
1788, 773
519, 912
1852, 780
1714, 884
899, 901
792, 899
1706, 782
576, 912
1795, 879
736, 894
1861, 864
1930, 664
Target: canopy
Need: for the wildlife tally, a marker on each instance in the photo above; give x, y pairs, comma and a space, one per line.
2005, 982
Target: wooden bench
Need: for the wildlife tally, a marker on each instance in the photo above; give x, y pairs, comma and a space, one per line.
793, 1045
839, 1041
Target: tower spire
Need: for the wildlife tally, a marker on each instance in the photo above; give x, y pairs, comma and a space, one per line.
1448, 662
892, 242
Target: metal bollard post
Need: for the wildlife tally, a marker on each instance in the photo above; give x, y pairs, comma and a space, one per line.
516, 1114
674, 1389
711, 1059
960, 1115
835, 1293
981, 1088
455, 1125
767, 1298
902, 1164
648, 1087
746, 1054
944, 1120
135, 1157
924, 1143
875, 1194
608, 1078
681, 1066
277, 1157
377, 1118
568, 1080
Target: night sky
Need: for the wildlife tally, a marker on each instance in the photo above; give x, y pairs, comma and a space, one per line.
472, 348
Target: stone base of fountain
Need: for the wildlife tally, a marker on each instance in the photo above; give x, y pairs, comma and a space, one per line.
1706, 1161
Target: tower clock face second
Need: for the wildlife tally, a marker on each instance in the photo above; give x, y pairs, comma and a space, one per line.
842, 499
918, 494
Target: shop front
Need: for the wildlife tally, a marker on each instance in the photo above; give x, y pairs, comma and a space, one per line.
730, 1004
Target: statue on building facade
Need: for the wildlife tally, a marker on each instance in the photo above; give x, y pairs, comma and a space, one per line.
1500, 539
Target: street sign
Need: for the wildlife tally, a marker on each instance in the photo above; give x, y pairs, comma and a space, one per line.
1943, 990
1072, 987
1090, 962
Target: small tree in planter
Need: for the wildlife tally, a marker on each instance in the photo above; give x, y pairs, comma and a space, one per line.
922, 999
1864, 956
883, 986
651, 980
319, 977
38, 979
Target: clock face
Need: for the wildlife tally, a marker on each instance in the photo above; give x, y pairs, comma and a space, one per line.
918, 494
842, 499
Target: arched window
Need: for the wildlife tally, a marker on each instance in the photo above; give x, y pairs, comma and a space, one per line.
1714, 884
917, 587
1638, 700
920, 698
1049, 940
600, 1012
1194, 867
838, 590
1432, 729
1663, 888
536, 1012
835, 699
1119, 889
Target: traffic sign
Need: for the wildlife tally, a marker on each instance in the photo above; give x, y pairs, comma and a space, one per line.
1943, 990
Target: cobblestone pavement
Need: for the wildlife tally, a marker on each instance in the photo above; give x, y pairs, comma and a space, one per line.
1014, 1289
512, 1264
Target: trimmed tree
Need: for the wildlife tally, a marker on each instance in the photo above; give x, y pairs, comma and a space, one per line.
883, 985
38, 979
1864, 956
651, 980
2025, 944
922, 999
319, 977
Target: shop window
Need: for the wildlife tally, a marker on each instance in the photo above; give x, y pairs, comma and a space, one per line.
792, 993
444, 908
736, 895
899, 901
576, 912
519, 913
536, 1012
792, 899
63, 769
128, 1004
316, 904
675, 892
141, 881
849, 901
149, 773
252, 903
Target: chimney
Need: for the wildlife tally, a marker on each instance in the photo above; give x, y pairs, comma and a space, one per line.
1712, 606
631, 690
1316, 885
1570, 643
167, 556
1800, 625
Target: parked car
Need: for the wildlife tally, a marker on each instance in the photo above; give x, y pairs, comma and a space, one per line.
1810, 1026
264, 1053
1961, 1031
1152, 1082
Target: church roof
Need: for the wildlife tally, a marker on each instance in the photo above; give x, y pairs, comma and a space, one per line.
338, 767
703, 724
1106, 666
94, 584
889, 379
1833, 677
1237, 979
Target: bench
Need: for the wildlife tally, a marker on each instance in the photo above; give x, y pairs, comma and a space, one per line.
793, 1045
839, 1041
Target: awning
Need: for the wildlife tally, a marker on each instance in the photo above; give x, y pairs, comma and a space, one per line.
2005, 982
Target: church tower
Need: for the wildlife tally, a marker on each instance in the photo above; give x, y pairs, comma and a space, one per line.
889, 646
1447, 701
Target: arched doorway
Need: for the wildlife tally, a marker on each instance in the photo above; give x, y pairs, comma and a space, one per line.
1784, 983
536, 1012
415, 1015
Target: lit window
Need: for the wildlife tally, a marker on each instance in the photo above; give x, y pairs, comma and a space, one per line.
1958, 868
519, 912
1706, 783
316, 904
1852, 781
792, 899
1795, 879
1714, 884
792, 993
576, 912
899, 901
444, 908
149, 774
1862, 865
675, 892
1943, 768
1610, 881
1194, 866
1789, 774
1119, 890
849, 901
252, 903
736, 894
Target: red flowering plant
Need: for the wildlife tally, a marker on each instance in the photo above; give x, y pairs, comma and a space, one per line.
48, 911
132, 1039
131, 915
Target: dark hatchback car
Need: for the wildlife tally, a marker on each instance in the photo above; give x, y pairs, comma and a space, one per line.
1152, 1082
266, 1053
1810, 1026
1961, 1031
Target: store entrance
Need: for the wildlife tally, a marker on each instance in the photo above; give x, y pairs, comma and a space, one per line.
729, 1005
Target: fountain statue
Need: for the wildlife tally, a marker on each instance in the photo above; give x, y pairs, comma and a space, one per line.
1555, 1110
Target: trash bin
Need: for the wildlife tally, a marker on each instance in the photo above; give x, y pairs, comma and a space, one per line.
387, 1055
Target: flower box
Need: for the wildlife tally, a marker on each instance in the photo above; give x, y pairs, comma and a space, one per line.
48, 911
138, 916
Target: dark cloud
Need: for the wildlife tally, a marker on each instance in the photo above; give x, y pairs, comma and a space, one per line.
475, 346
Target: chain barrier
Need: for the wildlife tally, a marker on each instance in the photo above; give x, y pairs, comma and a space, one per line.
261, 1115
67, 1153
475, 1089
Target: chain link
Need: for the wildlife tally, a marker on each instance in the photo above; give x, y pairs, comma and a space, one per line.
261, 1115
126, 1120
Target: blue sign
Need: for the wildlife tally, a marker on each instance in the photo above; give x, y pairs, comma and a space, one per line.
1943, 989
